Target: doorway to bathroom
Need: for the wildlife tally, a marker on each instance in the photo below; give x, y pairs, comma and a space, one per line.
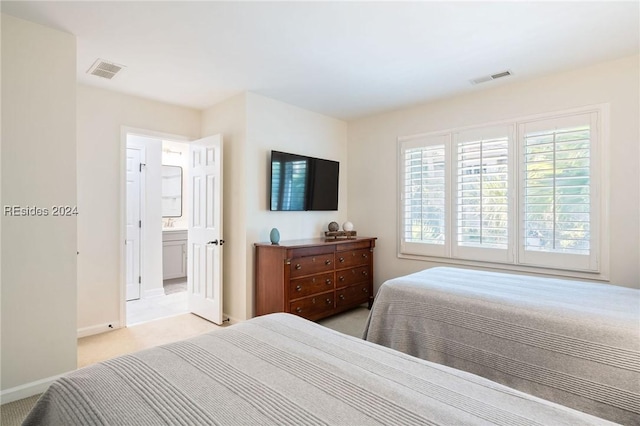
179, 230
156, 228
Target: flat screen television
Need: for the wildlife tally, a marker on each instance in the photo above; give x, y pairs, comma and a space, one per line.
300, 183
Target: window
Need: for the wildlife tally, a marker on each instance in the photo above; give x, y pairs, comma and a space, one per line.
482, 195
424, 196
559, 203
523, 193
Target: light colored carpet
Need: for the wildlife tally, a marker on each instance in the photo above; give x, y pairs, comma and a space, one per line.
108, 345
351, 322
13, 413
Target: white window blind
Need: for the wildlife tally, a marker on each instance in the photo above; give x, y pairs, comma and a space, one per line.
526, 193
482, 198
557, 190
558, 204
424, 198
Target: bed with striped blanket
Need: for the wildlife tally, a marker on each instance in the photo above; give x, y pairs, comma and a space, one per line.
571, 342
281, 369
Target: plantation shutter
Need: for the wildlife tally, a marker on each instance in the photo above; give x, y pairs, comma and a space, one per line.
424, 199
527, 193
559, 202
482, 194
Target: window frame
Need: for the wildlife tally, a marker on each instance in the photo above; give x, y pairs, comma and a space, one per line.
482, 253
422, 141
560, 260
598, 265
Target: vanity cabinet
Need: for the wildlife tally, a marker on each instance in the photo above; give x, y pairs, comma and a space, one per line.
174, 254
314, 278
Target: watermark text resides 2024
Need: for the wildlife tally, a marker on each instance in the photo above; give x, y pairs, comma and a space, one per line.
34, 211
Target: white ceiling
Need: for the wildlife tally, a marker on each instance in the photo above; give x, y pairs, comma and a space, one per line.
342, 59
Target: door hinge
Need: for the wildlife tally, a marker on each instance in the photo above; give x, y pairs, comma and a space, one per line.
139, 279
139, 224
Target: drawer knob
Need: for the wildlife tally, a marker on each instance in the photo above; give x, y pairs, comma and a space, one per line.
341, 260
298, 266
298, 288
327, 262
298, 310
341, 278
342, 296
329, 301
366, 290
365, 273
328, 281
365, 255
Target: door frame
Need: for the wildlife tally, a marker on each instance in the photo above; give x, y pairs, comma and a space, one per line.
124, 132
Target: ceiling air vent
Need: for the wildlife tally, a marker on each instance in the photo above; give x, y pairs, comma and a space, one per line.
105, 69
491, 77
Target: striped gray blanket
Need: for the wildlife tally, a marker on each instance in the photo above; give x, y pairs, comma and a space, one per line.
570, 342
280, 369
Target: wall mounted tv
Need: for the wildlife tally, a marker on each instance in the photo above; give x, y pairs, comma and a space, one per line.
301, 183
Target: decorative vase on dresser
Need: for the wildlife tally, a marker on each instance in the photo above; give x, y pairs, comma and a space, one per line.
314, 278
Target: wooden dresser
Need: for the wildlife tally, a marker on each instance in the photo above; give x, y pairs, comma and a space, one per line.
314, 278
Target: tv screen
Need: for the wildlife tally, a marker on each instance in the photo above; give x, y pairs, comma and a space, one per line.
300, 183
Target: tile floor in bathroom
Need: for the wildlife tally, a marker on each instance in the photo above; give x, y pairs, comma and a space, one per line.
143, 310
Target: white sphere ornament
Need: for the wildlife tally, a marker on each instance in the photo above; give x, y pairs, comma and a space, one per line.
347, 226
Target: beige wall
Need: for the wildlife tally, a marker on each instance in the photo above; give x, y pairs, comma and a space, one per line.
373, 153
101, 115
252, 126
229, 118
274, 125
38, 170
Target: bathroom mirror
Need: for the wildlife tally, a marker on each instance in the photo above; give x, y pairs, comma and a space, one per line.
171, 191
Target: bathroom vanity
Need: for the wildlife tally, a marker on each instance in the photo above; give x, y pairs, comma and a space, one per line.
174, 253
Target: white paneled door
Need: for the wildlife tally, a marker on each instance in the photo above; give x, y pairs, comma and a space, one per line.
132, 241
205, 239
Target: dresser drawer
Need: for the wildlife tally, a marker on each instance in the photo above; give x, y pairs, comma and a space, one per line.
314, 306
302, 287
353, 258
310, 265
354, 246
352, 276
353, 295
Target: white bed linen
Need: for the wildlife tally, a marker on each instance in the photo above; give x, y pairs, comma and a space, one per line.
571, 342
280, 369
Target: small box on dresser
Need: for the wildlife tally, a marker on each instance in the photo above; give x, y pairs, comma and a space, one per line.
314, 278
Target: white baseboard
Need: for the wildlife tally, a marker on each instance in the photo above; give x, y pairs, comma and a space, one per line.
97, 329
28, 389
231, 319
